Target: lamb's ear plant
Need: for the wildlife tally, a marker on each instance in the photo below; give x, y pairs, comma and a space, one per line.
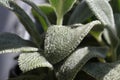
80, 39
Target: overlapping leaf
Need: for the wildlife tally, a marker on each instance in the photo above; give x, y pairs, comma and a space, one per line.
103, 71
12, 43
60, 41
75, 62
30, 61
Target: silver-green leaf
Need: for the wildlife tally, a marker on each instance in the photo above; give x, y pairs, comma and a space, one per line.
11, 43
103, 11
30, 61
103, 71
60, 41
75, 61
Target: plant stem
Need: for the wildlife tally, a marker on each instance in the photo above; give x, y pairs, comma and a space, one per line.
59, 20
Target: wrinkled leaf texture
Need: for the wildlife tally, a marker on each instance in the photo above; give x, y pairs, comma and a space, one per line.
76, 61
60, 41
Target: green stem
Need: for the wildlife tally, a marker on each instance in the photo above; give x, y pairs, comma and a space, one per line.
59, 20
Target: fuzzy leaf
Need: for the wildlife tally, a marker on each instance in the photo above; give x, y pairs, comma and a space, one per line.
80, 13
103, 71
11, 43
61, 7
75, 61
103, 11
45, 22
30, 61
60, 41
6, 3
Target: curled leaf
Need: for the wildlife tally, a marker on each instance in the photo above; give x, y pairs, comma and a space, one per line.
60, 41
